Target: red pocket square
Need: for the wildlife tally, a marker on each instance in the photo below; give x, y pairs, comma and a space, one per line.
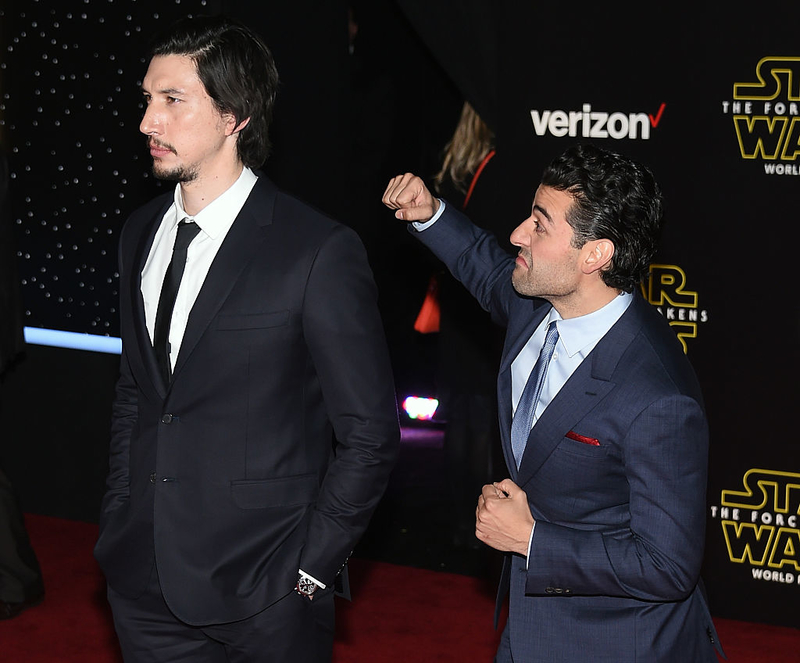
572, 435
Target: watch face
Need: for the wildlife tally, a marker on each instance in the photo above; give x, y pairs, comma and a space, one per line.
306, 586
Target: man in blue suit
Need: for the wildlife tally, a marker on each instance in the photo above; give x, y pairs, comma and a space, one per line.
602, 518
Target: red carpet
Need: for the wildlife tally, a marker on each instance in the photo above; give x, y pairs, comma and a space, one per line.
398, 614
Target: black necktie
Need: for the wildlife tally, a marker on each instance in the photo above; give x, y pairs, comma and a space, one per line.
169, 290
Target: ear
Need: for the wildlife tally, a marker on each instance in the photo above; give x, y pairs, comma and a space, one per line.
597, 255
231, 128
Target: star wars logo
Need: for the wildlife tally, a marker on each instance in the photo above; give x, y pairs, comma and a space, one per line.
766, 115
666, 290
761, 525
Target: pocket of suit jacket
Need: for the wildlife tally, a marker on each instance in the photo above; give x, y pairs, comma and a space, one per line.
283, 492
582, 445
239, 321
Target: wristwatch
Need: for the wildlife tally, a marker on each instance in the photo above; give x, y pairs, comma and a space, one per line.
306, 587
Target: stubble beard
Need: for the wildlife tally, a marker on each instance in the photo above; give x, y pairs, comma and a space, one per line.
522, 285
521, 279
531, 284
181, 174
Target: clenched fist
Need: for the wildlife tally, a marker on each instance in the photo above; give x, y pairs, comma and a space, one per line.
411, 198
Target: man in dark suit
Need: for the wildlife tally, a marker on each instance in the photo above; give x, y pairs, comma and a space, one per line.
230, 510
606, 442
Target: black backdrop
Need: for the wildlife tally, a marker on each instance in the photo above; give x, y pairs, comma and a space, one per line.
345, 123
724, 256
710, 100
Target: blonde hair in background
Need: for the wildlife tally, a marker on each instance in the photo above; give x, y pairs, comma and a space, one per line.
472, 140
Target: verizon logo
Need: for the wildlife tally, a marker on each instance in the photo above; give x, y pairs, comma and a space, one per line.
587, 123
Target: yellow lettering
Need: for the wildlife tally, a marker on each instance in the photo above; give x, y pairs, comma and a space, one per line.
771, 73
759, 485
667, 283
786, 549
760, 136
746, 542
791, 146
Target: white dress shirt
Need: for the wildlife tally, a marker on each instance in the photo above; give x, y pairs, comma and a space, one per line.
215, 220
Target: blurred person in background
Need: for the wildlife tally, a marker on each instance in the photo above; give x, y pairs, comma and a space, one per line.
21, 585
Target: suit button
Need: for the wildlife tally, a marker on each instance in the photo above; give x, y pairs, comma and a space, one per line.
166, 418
549, 590
568, 591
153, 477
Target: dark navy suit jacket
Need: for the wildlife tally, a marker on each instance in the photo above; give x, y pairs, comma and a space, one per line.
615, 475
228, 480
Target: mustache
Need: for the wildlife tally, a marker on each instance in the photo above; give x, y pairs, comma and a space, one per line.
152, 142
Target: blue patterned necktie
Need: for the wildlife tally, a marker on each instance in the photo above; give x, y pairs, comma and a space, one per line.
523, 417
169, 291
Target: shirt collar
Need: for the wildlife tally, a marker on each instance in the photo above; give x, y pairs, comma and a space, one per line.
215, 218
583, 332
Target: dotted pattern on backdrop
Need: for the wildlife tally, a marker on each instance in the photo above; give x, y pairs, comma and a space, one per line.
69, 115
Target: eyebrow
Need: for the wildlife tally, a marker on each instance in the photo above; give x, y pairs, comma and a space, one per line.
168, 90
543, 212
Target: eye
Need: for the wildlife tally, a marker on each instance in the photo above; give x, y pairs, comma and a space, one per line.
173, 100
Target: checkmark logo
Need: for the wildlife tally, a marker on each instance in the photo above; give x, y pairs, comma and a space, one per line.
655, 120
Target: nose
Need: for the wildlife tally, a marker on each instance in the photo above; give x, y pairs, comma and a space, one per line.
150, 123
521, 235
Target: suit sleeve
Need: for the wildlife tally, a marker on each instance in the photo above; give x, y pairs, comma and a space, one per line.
123, 418
657, 554
345, 336
474, 258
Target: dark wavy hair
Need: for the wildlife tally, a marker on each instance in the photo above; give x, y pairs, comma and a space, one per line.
237, 71
615, 198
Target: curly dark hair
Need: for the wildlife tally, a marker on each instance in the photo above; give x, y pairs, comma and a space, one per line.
615, 198
237, 71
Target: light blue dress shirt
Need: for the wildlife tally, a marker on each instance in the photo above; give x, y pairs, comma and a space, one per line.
576, 339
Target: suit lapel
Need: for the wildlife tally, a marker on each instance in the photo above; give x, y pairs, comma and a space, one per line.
575, 399
587, 386
243, 241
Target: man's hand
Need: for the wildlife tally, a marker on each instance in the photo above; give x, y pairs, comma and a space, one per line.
503, 518
410, 197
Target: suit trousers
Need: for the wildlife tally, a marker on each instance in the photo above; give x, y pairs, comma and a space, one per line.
20, 575
293, 628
